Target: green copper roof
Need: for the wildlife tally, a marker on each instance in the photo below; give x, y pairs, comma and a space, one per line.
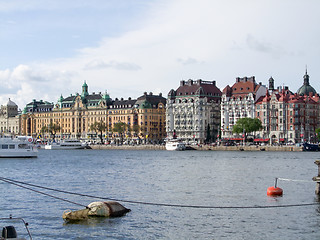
306, 88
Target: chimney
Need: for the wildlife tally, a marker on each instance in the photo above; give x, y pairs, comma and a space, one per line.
182, 83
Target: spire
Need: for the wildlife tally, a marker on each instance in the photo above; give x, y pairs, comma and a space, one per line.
306, 78
84, 90
306, 69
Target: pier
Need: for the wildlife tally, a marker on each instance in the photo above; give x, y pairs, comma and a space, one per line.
202, 148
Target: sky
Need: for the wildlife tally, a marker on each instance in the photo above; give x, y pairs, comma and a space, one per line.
48, 48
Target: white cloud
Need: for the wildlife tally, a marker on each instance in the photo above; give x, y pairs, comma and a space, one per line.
177, 40
100, 64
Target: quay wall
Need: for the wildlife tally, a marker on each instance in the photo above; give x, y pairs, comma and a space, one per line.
203, 148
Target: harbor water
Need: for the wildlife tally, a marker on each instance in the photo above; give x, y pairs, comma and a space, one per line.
190, 178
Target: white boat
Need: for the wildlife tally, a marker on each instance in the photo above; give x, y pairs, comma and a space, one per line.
17, 148
9, 231
66, 144
175, 145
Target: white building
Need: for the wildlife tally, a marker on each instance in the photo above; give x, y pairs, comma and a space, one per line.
193, 111
238, 102
9, 119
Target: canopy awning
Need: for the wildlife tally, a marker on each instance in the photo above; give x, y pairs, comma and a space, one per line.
261, 139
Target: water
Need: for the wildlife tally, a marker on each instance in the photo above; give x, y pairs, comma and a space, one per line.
208, 178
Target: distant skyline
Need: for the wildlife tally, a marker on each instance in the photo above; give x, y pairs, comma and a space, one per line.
50, 47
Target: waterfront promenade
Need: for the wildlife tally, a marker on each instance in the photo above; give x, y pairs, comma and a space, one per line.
202, 148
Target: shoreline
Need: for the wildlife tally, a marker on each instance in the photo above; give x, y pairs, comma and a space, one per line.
201, 148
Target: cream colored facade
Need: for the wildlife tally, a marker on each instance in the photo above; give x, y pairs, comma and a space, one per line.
75, 114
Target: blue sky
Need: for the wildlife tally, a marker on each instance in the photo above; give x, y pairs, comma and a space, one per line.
50, 47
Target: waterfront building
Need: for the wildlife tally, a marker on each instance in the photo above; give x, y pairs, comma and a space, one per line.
35, 115
145, 117
288, 117
238, 102
9, 119
76, 113
193, 111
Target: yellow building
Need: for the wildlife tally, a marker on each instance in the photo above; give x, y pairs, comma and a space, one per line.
147, 113
75, 114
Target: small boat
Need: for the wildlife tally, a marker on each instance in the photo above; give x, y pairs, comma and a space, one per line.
310, 147
9, 231
175, 145
17, 148
66, 144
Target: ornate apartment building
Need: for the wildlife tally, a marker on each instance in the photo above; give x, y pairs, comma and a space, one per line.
9, 119
76, 113
193, 110
238, 101
289, 117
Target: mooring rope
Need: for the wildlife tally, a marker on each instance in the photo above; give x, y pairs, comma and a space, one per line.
18, 183
295, 180
46, 194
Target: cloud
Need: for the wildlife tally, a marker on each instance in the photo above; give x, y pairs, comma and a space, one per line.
99, 64
268, 48
188, 61
256, 45
174, 40
24, 83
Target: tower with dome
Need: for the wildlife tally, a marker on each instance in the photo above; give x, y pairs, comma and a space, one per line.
9, 118
306, 88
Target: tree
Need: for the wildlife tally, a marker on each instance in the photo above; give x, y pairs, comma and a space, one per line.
53, 128
318, 134
247, 125
136, 129
120, 128
44, 129
98, 127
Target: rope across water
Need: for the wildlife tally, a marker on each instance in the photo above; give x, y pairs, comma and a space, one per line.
24, 184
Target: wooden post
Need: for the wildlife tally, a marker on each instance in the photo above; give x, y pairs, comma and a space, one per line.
317, 178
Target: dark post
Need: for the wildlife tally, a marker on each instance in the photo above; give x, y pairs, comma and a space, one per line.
317, 178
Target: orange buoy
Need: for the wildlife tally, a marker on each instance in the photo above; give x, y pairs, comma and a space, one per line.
274, 191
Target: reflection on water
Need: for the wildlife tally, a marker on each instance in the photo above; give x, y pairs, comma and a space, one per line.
188, 178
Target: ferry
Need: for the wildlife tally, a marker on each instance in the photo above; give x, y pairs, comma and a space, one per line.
19, 147
66, 144
175, 145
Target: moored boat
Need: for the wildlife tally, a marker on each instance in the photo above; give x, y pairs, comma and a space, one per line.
17, 148
10, 232
310, 147
66, 144
175, 145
